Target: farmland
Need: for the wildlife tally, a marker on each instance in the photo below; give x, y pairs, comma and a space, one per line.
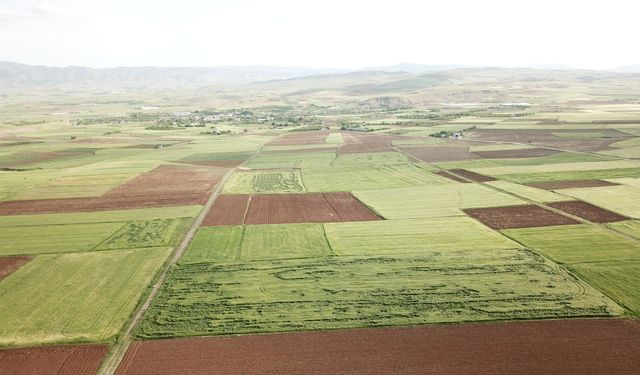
263, 228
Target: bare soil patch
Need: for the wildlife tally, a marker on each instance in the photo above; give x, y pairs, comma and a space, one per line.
588, 211
10, 264
440, 153
452, 177
473, 176
228, 209
306, 208
524, 216
366, 143
164, 186
580, 346
556, 185
53, 360
516, 154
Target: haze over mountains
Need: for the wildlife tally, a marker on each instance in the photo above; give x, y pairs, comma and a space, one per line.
17, 76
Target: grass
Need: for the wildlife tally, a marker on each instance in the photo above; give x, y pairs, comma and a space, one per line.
623, 199
628, 227
335, 138
356, 177
257, 242
433, 200
264, 182
561, 167
342, 292
213, 156
528, 192
368, 159
608, 261
147, 233
531, 177
83, 297
414, 236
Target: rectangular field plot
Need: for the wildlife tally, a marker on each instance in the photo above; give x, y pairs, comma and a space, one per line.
292, 160
257, 242
340, 292
537, 177
54, 360
414, 236
146, 233
588, 211
287, 209
433, 200
264, 182
572, 244
623, 199
74, 297
348, 178
528, 192
525, 216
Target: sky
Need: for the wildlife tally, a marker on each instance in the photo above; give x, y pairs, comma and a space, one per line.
344, 34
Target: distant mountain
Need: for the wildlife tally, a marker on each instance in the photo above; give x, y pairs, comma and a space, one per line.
14, 75
412, 68
542, 66
628, 69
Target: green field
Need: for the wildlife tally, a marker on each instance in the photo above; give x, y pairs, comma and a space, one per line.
83, 297
623, 199
361, 177
328, 293
265, 182
292, 160
433, 200
608, 261
257, 242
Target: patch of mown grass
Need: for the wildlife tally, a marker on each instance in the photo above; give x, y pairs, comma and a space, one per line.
147, 233
264, 182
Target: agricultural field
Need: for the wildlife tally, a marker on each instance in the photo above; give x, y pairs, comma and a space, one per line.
269, 225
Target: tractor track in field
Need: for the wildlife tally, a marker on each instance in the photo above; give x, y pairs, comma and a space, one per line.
116, 354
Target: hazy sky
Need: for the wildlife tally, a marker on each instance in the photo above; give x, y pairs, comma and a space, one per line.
319, 33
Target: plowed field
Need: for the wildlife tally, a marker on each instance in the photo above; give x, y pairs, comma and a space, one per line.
53, 360
10, 264
588, 211
555, 185
525, 216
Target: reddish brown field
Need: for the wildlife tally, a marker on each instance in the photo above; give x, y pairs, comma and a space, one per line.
357, 143
452, 177
164, 186
514, 154
301, 138
228, 209
287, 208
431, 154
27, 158
10, 264
580, 346
473, 176
525, 216
556, 185
588, 211
53, 360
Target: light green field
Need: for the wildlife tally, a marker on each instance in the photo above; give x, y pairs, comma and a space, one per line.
334, 138
433, 200
83, 297
628, 227
100, 216
608, 261
348, 178
209, 156
560, 167
413, 236
264, 182
528, 192
44, 239
342, 292
526, 178
368, 159
257, 242
292, 160
623, 199
146, 233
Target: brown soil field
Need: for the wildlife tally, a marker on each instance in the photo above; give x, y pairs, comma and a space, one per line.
228, 209
515, 154
440, 153
37, 157
524, 216
588, 211
10, 264
306, 208
164, 186
473, 176
580, 346
556, 185
452, 177
53, 360
301, 138
357, 143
